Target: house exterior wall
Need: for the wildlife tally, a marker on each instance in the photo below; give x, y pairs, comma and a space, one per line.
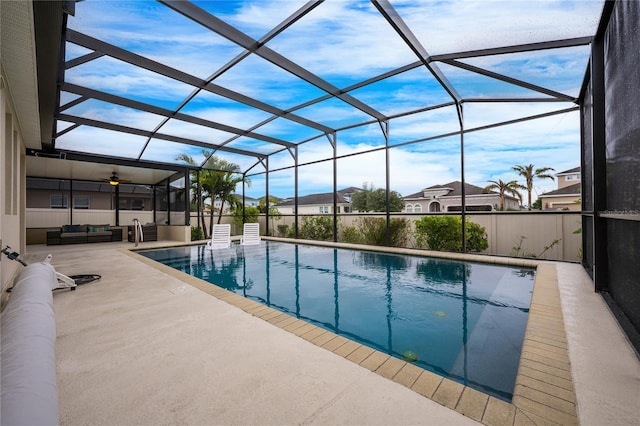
568, 179
12, 174
312, 209
448, 203
565, 202
41, 199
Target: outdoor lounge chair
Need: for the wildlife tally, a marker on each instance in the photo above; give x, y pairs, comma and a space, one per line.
220, 237
250, 234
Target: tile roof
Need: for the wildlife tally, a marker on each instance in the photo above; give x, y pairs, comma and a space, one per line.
322, 198
574, 189
456, 190
570, 171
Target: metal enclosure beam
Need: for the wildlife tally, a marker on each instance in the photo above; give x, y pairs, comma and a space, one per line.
390, 14
599, 163
220, 27
162, 69
511, 80
147, 133
517, 48
130, 103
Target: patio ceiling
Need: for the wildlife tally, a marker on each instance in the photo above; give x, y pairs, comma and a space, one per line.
151, 83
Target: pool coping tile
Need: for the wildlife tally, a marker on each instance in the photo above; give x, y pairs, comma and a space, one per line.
360, 354
408, 375
472, 403
543, 393
427, 383
374, 361
335, 343
448, 393
390, 367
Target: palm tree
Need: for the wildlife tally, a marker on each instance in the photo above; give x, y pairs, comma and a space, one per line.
221, 177
218, 180
503, 188
529, 174
204, 190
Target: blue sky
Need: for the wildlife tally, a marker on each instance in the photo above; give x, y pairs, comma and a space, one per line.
342, 42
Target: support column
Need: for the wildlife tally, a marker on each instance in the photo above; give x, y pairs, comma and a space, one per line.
599, 167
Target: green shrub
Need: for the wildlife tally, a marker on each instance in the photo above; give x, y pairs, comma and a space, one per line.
197, 233
444, 233
316, 228
350, 235
374, 231
282, 230
250, 216
291, 233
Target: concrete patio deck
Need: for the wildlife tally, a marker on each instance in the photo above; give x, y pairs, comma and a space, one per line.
141, 346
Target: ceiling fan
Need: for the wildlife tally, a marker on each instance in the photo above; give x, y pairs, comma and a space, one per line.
115, 180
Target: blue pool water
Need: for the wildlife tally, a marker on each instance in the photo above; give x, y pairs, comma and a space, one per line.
463, 320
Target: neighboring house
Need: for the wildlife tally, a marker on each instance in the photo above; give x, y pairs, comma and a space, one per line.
448, 198
252, 202
568, 177
319, 203
568, 195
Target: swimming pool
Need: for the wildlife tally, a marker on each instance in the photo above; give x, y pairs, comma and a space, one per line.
462, 320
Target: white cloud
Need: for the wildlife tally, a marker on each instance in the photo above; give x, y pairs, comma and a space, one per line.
321, 40
345, 42
489, 155
99, 141
113, 76
472, 25
98, 110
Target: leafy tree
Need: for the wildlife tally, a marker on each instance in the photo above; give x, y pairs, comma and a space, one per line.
537, 205
444, 233
262, 204
274, 213
249, 215
371, 199
529, 173
503, 188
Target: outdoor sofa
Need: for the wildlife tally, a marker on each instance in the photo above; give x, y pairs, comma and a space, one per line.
77, 234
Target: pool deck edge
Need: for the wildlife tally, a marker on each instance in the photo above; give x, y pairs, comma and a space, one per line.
544, 391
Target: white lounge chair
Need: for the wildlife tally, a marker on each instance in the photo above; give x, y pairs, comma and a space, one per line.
220, 237
250, 234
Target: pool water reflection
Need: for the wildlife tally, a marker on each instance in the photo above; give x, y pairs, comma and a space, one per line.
462, 320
